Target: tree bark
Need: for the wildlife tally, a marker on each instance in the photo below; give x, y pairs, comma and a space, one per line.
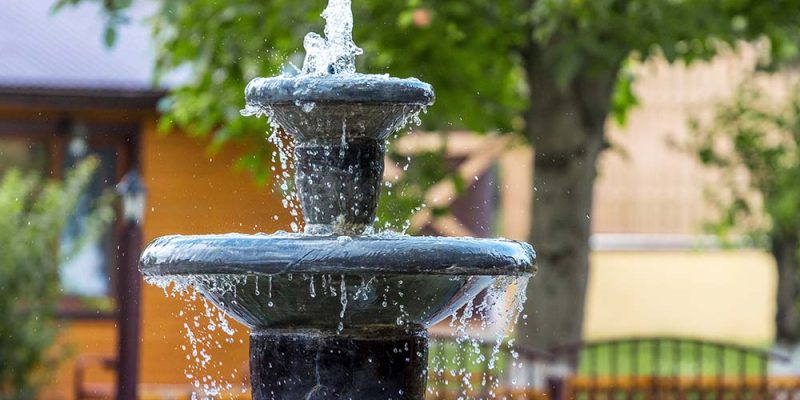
787, 320
566, 128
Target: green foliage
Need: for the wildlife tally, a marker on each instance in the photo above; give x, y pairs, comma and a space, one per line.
753, 145
32, 216
404, 197
474, 52
624, 98
114, 13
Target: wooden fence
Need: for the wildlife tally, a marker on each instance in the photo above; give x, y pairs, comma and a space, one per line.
663, 368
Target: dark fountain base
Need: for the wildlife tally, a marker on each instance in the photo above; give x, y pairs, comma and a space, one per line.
313, 365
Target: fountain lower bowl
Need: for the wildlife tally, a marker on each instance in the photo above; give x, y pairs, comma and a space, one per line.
336, 317
336, 284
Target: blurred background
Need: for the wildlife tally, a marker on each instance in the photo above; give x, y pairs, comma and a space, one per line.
647, 149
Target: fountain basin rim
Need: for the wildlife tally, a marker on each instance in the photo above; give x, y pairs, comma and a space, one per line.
364, 332
312, 254
338, 89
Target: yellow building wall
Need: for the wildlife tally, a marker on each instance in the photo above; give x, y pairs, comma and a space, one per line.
723, 295
81, 338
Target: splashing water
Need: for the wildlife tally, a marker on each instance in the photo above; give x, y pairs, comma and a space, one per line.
483, 329
472, 364
336, 52
207, 331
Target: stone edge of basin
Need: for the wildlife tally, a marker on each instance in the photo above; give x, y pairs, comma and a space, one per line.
271, 255
355, 88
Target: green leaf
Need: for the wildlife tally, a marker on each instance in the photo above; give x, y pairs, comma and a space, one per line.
624, 98
109, 35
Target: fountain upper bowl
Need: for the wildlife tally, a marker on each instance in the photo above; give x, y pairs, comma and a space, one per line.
342, 88
329, 109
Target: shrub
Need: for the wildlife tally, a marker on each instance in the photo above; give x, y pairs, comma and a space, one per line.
33, 213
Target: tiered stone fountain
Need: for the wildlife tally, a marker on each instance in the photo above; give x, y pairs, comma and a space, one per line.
336, 313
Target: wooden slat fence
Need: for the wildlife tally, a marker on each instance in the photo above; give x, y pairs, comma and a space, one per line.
663, 368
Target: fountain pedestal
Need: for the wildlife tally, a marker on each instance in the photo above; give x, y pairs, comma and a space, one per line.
389, 363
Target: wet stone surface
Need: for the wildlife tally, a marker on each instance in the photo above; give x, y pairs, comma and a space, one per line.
338, 184
313, 365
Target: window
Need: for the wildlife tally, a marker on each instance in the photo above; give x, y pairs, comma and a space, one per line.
22, 153
88, 275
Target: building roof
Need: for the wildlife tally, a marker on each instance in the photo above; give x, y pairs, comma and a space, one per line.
44, 53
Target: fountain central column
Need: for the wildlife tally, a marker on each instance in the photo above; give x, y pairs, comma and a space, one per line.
338, 183
388, 363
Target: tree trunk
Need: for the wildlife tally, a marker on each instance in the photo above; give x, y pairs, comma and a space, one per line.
566, 128
787, 321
